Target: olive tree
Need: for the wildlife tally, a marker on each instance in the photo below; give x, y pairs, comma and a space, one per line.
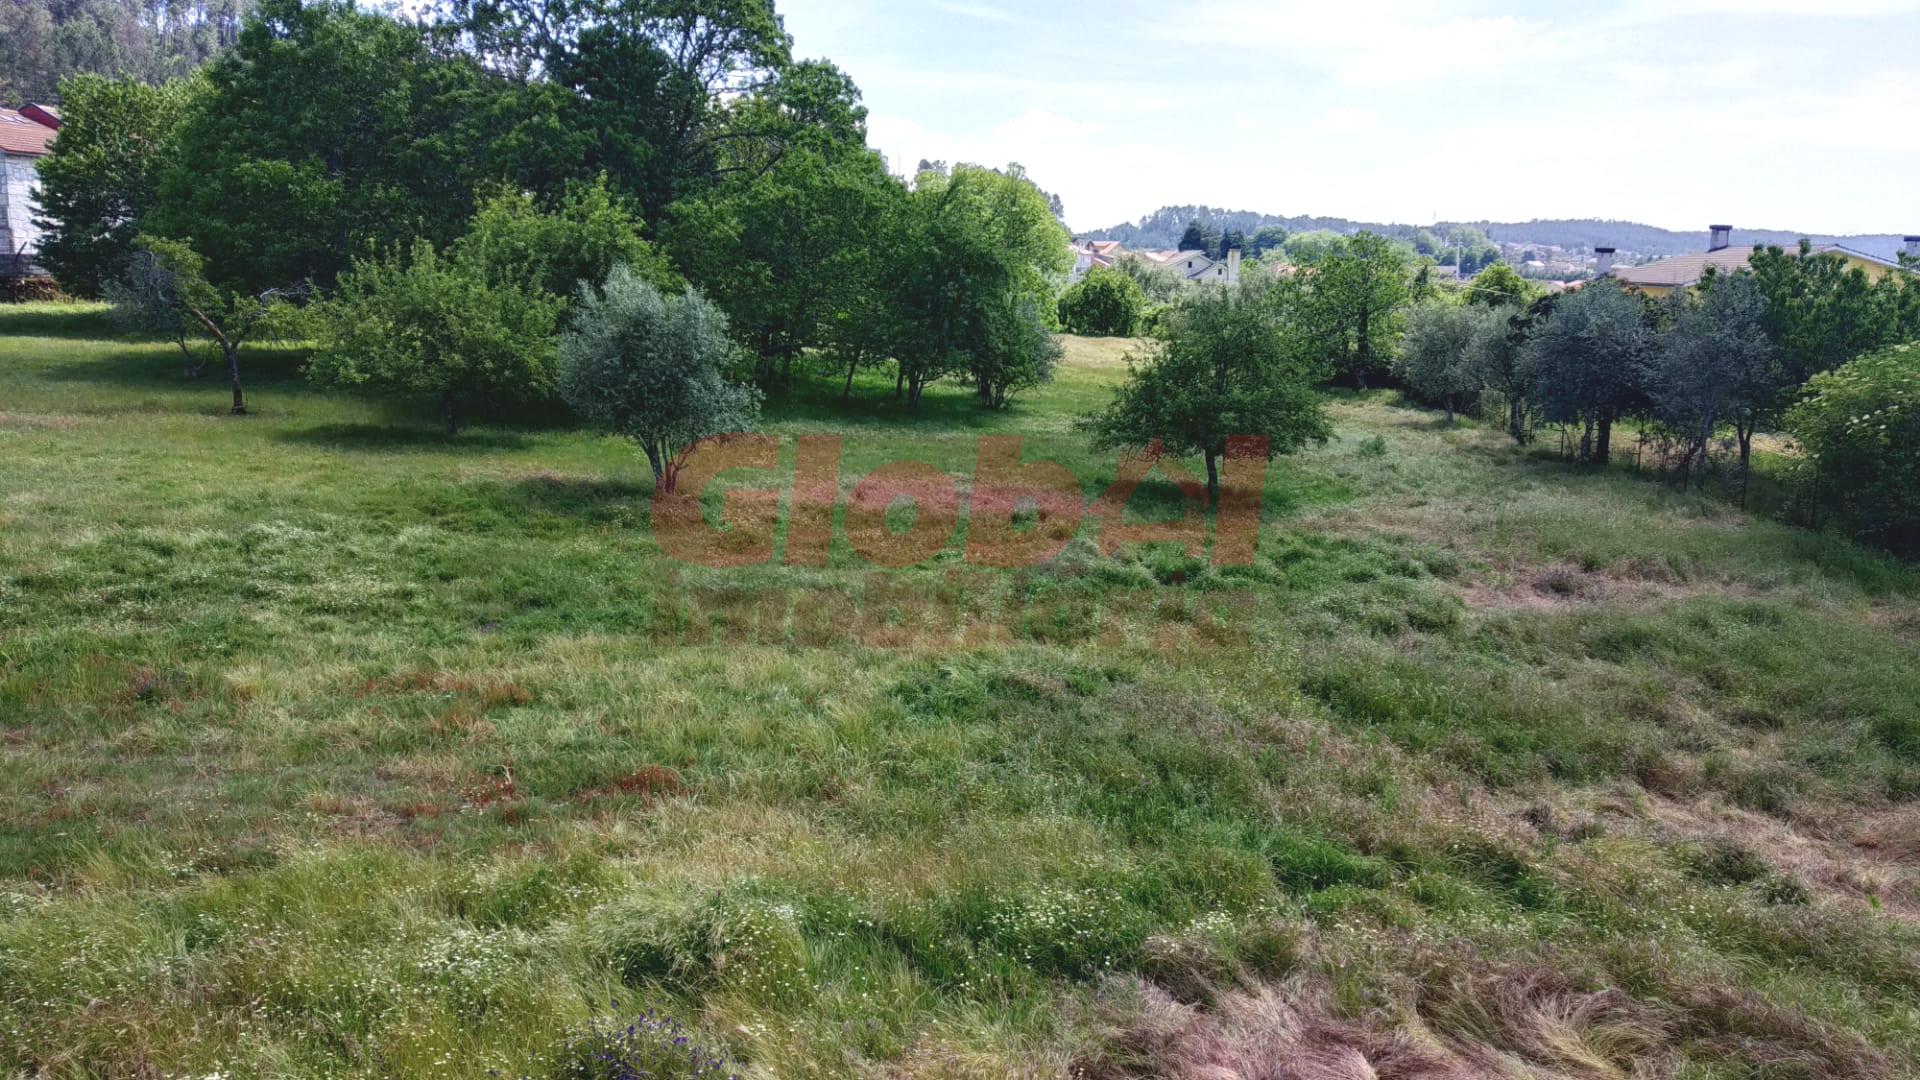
1716, 367
654, 368
1590, 358
1441, 356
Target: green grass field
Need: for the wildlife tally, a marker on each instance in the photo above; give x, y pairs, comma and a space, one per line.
334, 747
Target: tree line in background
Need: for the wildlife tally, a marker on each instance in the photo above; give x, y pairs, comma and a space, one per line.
1802, 344
650, 211
439, 205
1700, 373
44, 42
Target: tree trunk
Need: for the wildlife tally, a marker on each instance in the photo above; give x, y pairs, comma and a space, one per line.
1516, 415
452, 410
1213, 478
1449, 410
661, 481
899, 376
1743, 429
233, 375
1363, 350
846, 391
1603, 441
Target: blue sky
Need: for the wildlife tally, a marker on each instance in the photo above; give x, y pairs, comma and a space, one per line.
1793, 114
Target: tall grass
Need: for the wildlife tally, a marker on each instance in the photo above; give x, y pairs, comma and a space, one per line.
334, 747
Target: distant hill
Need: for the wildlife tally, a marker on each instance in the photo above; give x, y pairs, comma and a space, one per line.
1163, 228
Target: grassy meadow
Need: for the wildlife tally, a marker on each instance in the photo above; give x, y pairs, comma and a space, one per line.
334, 747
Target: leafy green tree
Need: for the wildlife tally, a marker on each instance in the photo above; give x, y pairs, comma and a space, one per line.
1590, 358
1308, 248
1021, 353
789, 252
1105, 303
474, 326
1716, 367
1505, 367
1442, 353
167, 288
1859, 430
1198, 237
1469, 249
1500, 286
432, 324
654, 368
1355, 295
324, 133
1224, 367
1822, 313
513, 242
96, 188
971, 245
1265, 239
656, 92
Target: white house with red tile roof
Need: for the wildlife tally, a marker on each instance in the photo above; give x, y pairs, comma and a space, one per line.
26, 136
1198, 266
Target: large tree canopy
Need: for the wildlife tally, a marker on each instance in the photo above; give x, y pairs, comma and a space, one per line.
118, 139
325, 133
659, 86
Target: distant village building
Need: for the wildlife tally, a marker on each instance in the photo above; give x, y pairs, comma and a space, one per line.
26, 136
1189, 266
1198, 266
1089, 255
1663, 276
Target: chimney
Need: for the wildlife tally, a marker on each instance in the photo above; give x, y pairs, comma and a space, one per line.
1233, 265
1603, 261
1720, 237
1913, 247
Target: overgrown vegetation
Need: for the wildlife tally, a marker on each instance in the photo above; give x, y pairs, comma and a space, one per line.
333, 745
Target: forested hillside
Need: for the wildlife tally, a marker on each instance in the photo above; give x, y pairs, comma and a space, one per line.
1163, 228
44, 41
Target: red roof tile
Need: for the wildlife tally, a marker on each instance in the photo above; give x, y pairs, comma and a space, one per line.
19, 135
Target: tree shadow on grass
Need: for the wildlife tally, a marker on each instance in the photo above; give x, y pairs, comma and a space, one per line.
946, 408
391, 438
150, 369
546, 503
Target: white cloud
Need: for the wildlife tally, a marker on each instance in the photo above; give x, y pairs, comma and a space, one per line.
983, 12
1345, 122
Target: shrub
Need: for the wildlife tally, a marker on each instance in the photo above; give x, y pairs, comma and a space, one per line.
434, 324
1106, 303
1859, 428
